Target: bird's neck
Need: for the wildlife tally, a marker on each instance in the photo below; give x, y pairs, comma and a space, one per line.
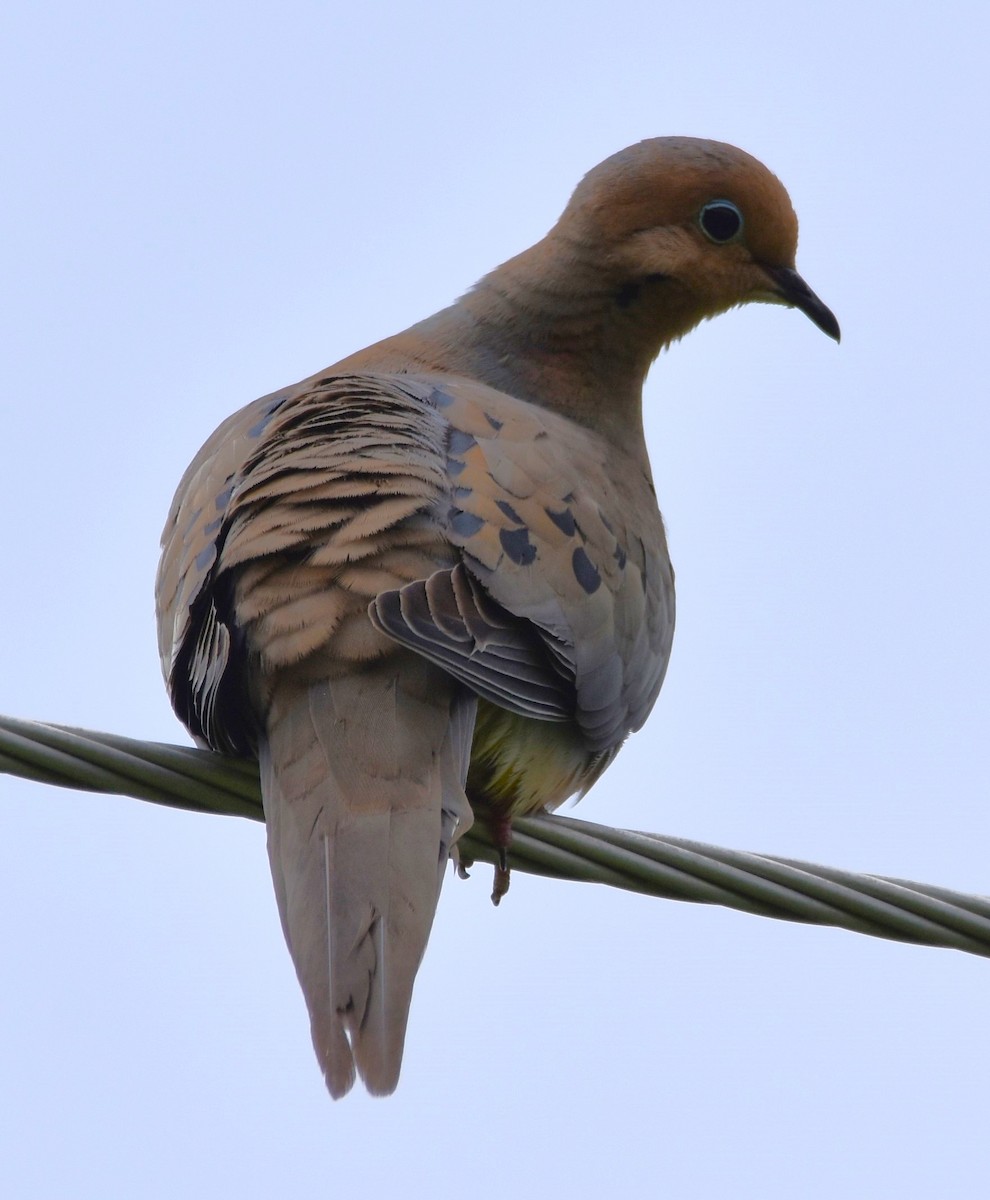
549, 326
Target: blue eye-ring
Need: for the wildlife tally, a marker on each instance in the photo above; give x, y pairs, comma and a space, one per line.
720, 221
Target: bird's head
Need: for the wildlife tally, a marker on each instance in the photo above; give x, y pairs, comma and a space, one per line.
683, 229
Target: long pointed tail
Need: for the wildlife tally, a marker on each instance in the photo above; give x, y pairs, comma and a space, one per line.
363, 782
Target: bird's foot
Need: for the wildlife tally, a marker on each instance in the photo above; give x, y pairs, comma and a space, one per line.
461, 863
502, 839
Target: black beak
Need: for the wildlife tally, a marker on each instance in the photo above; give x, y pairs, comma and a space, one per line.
792, 290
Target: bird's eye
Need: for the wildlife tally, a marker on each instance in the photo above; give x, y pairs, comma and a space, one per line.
720, 221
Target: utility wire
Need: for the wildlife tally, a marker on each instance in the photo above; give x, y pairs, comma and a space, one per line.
555, 846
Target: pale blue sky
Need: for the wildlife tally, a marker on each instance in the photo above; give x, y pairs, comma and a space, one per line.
202, 202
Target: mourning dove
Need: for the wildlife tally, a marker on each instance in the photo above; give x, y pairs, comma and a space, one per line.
434, 576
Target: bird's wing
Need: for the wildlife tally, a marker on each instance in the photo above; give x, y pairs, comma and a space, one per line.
562, 604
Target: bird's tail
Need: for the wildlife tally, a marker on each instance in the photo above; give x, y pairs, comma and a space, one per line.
363, 783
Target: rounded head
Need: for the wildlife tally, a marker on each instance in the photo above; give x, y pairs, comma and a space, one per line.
705, 216
667, 181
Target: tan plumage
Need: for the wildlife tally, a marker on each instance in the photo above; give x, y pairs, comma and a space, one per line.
435, 575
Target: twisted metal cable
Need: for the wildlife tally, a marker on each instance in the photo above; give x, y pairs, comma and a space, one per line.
558, 847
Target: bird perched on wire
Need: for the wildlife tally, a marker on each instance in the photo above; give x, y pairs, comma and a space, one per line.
433, 579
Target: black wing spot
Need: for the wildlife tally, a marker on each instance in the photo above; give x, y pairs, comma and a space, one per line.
464, 524
460, 442
564, 521
620, 556
510, 512
268, 412
495, 423
516, 544
585, 571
